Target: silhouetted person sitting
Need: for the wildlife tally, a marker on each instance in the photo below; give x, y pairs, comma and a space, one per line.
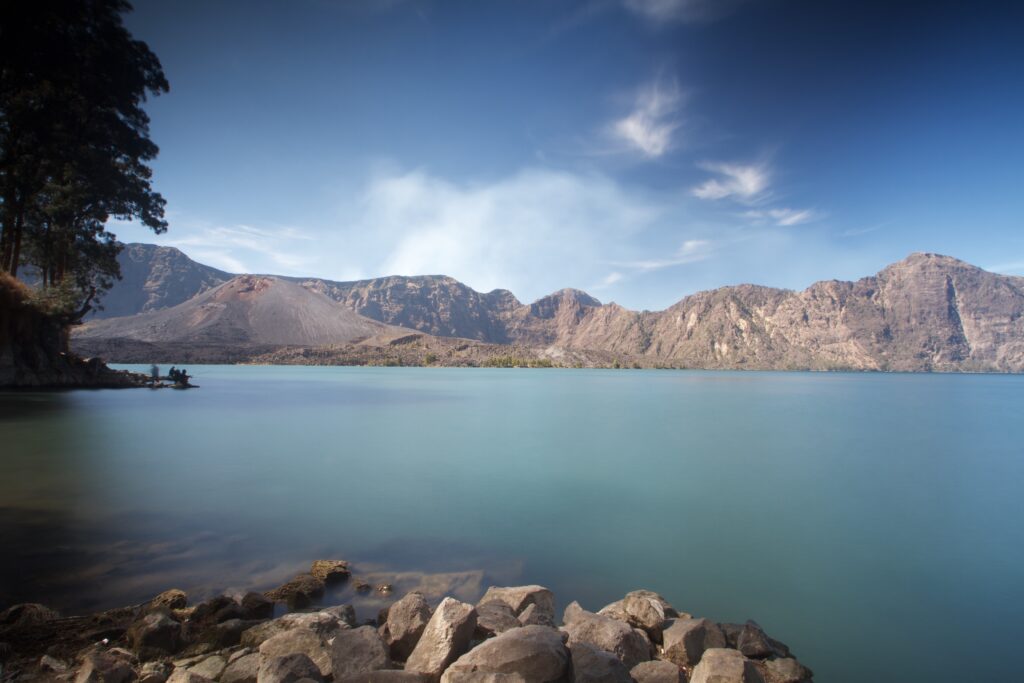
172, 374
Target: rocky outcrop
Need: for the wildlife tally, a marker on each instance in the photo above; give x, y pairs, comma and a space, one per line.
153, 643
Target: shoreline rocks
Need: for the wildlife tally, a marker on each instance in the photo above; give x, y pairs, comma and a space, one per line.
510, 636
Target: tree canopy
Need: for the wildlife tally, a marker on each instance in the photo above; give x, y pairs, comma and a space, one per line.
74, 141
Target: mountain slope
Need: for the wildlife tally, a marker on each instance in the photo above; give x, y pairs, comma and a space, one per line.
926, 312
155, 277
247, 309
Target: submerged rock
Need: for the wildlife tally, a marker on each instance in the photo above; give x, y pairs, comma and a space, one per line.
330, 571
299, 593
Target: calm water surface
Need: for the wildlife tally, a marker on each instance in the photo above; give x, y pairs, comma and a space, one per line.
872, 522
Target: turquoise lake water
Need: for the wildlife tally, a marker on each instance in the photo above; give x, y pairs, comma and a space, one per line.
873, 522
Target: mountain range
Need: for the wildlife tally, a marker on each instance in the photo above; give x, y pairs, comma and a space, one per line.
925, 313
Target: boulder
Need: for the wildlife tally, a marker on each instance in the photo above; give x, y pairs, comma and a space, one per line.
330, 571
723, 665
154, 672
255, 635
186, 676
48, 663
216, 610
102, 667
257, 606
630, 645
171, 599
535, 653
615, 610
386, 676
753, 642
226, 634
484, 677
211, 667
299, 593
325, 622
685, 640
346, 614
297, 640
590, 665
155, 635
786, 670
404, 625
244, 669
535, 616
445, 638
493, 618
289, 668
648, 611
657, 671
356, 651
518, 597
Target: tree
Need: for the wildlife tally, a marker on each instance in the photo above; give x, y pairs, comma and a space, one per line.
74, 142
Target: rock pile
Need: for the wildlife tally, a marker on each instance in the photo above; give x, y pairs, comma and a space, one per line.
509, 636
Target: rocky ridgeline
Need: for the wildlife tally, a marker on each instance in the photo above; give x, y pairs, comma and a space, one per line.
509, 636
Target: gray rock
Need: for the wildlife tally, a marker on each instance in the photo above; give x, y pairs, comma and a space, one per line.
722, 665
535, 616
211, 667
404, 625
445, 638
346, 614
536, 653
217, 609
753, 642
289, 668
685, 640
244, 669
154, 672
297, 640
615, 610
786, 670
254, 636
657, 671
226, 634
325, 622
493, 618
590, 665
357, 651
484, 677
185, 676
155, 635
648, 611
387, 676
48, 663
518, 597
630, 645
102, 667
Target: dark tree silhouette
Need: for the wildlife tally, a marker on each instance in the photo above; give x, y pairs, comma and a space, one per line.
74, 143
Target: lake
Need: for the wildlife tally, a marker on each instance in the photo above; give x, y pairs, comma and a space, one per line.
873, 522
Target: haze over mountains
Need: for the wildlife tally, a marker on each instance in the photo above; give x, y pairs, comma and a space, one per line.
926, 312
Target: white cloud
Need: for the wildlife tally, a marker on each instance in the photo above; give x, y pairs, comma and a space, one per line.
533, 232
743, 182
650, 127
663, 11
784, 217
232, 247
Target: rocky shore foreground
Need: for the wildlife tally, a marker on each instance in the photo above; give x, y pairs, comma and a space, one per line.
511, 635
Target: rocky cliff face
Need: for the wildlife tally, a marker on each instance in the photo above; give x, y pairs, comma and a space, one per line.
155, 277
927, 312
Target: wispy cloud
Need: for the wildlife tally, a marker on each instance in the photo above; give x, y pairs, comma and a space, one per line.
1012, 268
654, 120
232, 247
742, 182
691, 251
784, 217
665, 11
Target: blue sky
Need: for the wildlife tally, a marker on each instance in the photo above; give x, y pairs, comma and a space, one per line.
638, 149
